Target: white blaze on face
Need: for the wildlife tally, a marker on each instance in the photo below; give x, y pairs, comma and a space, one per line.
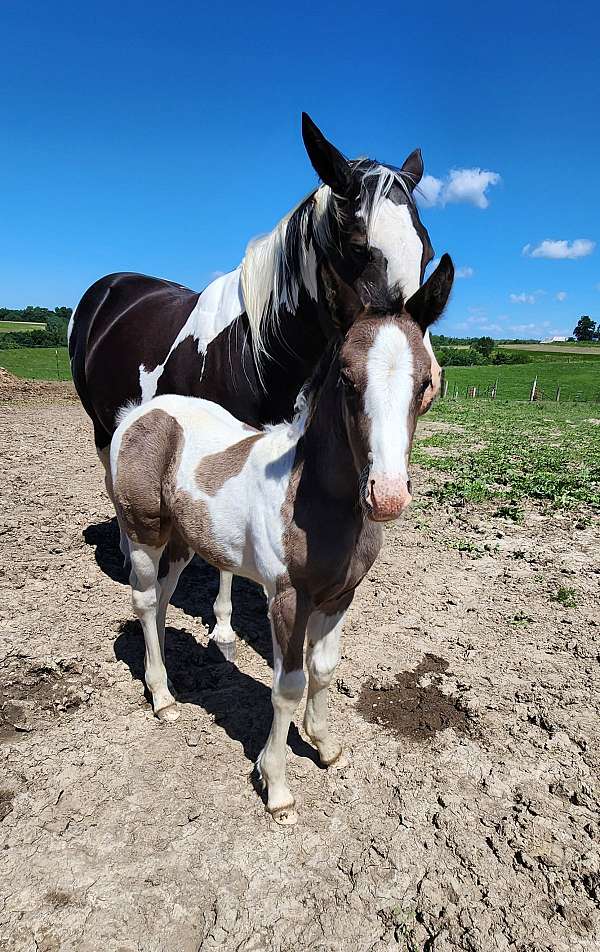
388, 396
392, 232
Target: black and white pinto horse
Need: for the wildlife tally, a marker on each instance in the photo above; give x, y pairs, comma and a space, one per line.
250, 340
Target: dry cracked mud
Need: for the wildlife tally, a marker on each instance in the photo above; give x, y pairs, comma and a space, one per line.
467, 818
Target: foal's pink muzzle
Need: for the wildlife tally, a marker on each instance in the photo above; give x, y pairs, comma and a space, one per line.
387, 497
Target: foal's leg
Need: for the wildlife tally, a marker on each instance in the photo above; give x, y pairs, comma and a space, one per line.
145, 597
223, 634
167, 585
289, 614
104, 457
322, 657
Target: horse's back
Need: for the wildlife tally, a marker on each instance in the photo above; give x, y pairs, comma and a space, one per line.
124, 322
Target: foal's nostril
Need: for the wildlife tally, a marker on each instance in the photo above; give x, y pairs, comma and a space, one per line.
409, 485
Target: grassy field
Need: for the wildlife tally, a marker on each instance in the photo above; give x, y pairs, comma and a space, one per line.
511, 452
37, 363
6, 326
578, 380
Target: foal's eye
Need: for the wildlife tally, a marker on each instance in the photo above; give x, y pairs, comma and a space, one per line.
347, 382
425, 386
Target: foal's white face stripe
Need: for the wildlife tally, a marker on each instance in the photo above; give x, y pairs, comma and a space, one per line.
387, 400
393, 233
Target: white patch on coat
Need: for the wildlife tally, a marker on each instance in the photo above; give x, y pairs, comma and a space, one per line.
392, 232
387, 400
246, 520
216, 308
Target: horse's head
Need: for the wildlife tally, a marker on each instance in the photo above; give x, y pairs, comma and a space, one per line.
385, 378
367, 218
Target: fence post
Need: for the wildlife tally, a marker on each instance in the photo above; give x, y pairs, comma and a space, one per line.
558, 394
533, 391
494, 390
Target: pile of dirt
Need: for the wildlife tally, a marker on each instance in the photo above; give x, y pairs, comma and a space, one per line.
19, 390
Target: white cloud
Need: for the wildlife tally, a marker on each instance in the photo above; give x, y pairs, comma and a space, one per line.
555, 249
526, 298
468, 186
429, 190
464, 272
561, 295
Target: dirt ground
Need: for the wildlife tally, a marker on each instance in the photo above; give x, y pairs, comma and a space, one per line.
468, 698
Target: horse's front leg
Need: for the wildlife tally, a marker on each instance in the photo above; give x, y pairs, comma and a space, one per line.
223, 636
322, 658
288, 612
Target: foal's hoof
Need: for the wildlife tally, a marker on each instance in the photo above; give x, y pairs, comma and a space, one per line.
170, 713
222, 650
335, 759
286, 816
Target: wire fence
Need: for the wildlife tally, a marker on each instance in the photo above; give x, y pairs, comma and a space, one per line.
529, 391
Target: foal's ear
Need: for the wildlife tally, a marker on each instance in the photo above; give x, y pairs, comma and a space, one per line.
328, 162
413, 168
342, 301
427, 304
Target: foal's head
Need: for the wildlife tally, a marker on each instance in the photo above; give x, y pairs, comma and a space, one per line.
385, 380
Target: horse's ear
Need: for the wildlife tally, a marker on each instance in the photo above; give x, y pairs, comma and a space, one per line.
328, 162
342, 301
427, 304
413, 168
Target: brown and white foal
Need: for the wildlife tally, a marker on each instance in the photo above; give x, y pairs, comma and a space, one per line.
297, 508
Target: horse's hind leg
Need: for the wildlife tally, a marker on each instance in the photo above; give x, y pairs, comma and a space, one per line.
322, 657
223, 636
145, 597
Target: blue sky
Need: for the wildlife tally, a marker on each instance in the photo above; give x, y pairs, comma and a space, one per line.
161, 137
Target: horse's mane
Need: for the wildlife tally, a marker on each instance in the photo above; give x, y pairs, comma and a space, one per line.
278, 264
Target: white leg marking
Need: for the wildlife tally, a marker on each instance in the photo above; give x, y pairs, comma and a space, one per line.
322, 657
288, 688
145, 592
223, 634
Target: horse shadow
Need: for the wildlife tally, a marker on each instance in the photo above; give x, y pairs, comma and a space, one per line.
238, 703
196, 590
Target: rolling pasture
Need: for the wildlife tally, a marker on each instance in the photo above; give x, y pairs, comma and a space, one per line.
24, 326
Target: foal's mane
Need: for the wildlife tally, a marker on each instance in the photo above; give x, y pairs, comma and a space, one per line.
277, 265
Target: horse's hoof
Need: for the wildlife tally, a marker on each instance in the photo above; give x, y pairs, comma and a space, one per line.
223, 650
285, 816
168, 714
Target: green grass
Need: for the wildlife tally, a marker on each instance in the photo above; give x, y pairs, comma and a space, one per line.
6, 326
37, 363
509, 453
578, 379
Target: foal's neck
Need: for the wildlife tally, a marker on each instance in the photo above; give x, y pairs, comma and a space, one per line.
328, 458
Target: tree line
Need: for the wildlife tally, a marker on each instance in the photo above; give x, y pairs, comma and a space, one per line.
54, 334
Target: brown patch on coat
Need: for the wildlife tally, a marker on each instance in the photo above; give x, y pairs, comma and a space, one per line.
215, 470
149, 457
194, 523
